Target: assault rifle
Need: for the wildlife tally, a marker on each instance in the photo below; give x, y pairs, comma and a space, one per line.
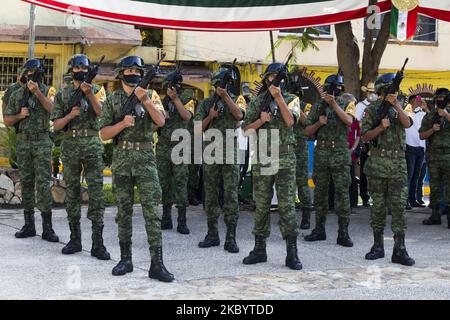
383, 110
174, 84
133, 106
26, 100
267, 104
437, 118
223, 84
331, 90
78, 98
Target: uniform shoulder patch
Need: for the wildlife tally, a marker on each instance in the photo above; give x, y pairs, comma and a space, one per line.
294, 104
157, 100
51, 93
101, 94
308, 107
190, 106
351, 109
241, 103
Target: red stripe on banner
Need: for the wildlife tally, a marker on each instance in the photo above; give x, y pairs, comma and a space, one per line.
213, 26
436, 13
411, 25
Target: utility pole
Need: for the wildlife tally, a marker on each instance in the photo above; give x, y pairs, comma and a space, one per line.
272, 46
32, 36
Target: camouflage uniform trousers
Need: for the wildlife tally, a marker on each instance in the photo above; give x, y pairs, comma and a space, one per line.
171, 174
439, 173
284, 181
301, 175
34, 162
388, 193
145, 178
83, 153
213, 174
327, 166
194, 179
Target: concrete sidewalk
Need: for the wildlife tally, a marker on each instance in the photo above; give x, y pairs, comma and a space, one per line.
35, 269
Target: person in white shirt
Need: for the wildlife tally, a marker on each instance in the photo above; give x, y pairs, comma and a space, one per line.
415, 148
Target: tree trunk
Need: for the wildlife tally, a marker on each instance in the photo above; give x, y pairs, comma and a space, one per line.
348, 57
348, 54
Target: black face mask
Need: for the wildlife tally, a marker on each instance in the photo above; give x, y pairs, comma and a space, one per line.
132, 79
440, 104
80, 76
23, 79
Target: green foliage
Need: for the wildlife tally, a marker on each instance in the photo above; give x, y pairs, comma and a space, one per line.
303, 42
8, 140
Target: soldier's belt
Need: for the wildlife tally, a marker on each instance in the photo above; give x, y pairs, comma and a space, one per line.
130, 145
327, 144
387, 153
286, 148
439, 151
32, 136
81, 133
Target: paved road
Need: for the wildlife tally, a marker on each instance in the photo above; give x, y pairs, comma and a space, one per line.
35, 269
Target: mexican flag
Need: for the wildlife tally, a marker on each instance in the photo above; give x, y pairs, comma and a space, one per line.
403, 23
240, 15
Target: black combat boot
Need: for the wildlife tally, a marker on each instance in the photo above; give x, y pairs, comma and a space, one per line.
230, 240
98, 250
182, 226
212, 237
74, 244
157, 268
47, 230
343, 238
434, 219
306, 215
259, 253
166, 221
29, 229
125, 264
292, 260
399, 254
377, 250
318, 233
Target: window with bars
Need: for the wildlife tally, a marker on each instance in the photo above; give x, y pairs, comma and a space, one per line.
9, 67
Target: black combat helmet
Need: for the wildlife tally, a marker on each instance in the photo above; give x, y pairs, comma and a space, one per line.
384, 81
274, 68
78, 60
32, 64
441, 92
173, 77
128, 63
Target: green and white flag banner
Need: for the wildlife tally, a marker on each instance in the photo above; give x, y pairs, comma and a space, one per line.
230, 15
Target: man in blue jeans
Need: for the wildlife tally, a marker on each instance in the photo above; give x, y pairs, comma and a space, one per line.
415, 149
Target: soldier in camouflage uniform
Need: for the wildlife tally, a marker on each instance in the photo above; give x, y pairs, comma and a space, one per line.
34, 151
178, 114
230, 110
10, 90
302, 160
134, 164
82, 149
328, 122
436, 128
386, 171
283, 177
